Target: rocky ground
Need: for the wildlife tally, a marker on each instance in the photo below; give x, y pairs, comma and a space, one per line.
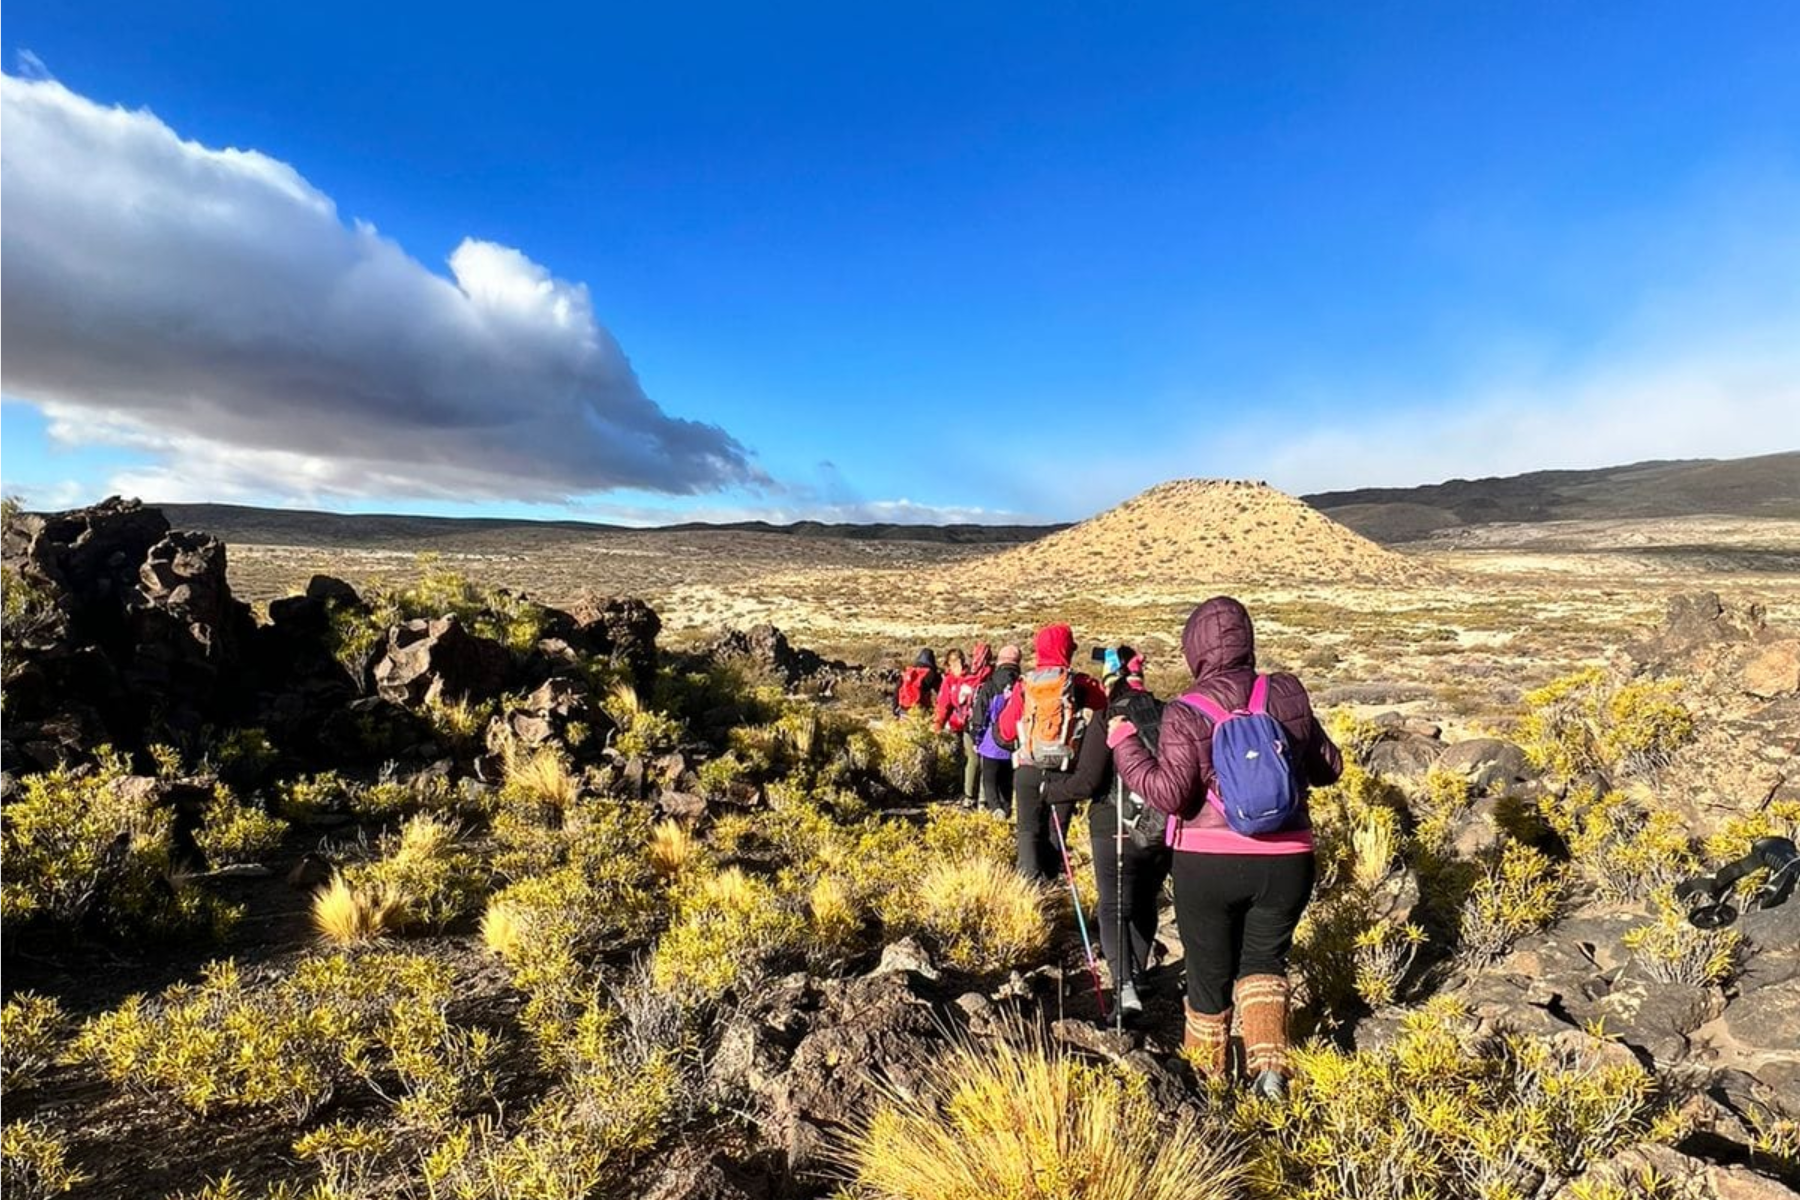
129, 634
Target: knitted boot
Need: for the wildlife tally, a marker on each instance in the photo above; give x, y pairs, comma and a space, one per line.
1262, 1002
1205, 1040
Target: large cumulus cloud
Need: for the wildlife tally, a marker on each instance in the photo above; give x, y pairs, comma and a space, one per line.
209, 306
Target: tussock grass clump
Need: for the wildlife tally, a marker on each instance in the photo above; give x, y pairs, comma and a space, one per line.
672, 849
425, 870
724, 933
32, 1029
348, 914
980, 915
1034, 1124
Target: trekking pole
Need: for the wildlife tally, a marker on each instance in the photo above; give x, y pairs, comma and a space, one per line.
1122, 950
1087, 944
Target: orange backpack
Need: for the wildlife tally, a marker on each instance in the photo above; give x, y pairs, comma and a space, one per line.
1048, 725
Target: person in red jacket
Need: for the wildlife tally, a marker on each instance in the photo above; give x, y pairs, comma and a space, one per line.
955, 701
1038, 855
1237, 897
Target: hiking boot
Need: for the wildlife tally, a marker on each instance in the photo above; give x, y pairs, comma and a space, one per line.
1129, 1004
1205, 1038
1270, 1085
1262, 1001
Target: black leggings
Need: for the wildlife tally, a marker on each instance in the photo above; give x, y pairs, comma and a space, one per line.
1237, 914
1039, 856
996, 785
1143, 871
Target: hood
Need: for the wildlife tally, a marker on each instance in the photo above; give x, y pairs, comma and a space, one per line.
1004, 675
926, 659
982, 660
1055, 646
1218, 638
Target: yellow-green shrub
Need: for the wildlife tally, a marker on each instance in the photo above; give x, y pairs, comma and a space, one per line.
324, 794
1441, 1113
1617, 847
1521, 892
81, 843
1036, 1124
1733, 839
1385, 952
725, 930
32, 1028
912, 759
285, 1047
232, 832
1589, 721
34, 1162
426, 867
649, 733
1674, 951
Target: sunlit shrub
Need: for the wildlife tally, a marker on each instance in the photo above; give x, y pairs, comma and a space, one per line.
1617, 847
427, 869
1733, 839
82, 844
232, 832
459, 724
724, 932
1442, 1112
1674, 951
34, 1162
324, 794
1589, 722
650, 733
1520, 893
978, 914
913, 760
32, 1028
1385, 953
1031, 1122
284, 1047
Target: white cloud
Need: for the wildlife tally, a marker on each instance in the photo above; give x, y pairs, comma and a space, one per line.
1731, 397
209, 306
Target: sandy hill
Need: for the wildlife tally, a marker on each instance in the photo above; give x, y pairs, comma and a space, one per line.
1767, 486
1197, 532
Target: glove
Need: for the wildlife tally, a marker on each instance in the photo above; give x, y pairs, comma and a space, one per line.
1119, 731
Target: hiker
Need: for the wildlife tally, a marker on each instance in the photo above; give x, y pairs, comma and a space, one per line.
918, 684
984, 716
1238, 895
1042, 724
1131, 859
955, 708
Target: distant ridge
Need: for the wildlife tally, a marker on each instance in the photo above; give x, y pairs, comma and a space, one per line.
1200, 532
296, 527
1764, 486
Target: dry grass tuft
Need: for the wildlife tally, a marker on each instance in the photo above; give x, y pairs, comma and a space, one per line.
1034, 1124
671, 849
544, 775
982, 914
344, 913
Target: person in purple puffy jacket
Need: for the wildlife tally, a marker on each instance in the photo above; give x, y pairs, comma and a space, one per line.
1237, 897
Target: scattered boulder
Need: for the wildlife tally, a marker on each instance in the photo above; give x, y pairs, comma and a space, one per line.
1404, 755
622, 629
438, 655
1486, 762
1774, 671
557, 710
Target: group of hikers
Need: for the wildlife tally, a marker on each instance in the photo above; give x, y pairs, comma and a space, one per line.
1210, 788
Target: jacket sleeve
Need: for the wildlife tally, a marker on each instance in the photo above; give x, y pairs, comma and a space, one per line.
1173, 780
1324, 761
945, 699
1006, 729
1093, 762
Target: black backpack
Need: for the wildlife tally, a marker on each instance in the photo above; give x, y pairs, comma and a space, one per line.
1144, 823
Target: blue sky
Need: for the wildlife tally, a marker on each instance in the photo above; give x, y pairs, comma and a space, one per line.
939, 261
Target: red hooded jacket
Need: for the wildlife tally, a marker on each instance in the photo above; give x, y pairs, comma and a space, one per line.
1220, 646
1055, 647
957, 688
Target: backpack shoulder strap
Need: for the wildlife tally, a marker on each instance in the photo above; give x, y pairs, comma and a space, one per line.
1206, 704
1259, 695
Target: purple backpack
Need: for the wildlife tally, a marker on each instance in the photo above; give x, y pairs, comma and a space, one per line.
1258, 786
